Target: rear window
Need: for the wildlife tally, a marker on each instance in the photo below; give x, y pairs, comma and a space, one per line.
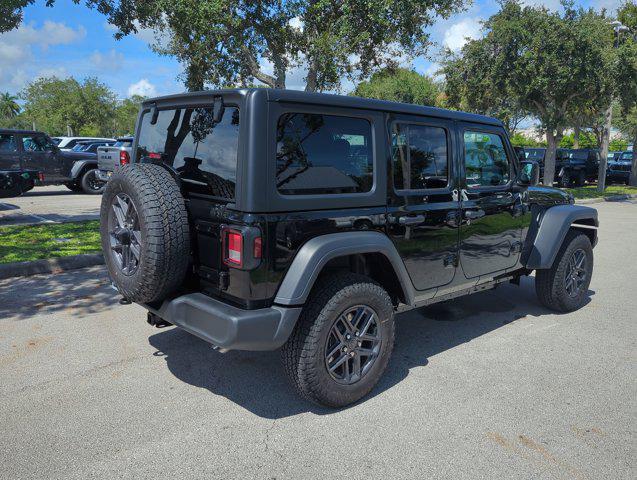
202, 152
323, 154
7, 143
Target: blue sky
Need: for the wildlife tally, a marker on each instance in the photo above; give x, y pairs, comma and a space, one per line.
71, 39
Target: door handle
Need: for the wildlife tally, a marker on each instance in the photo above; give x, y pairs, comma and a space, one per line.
414, 220
473, 214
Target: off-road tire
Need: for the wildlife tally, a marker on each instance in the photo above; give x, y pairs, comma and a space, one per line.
165, 235
550, 283
565, 180
304, 353
88, 180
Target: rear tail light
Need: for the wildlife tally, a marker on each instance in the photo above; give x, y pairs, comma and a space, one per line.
124, 158
41, 176
242, 247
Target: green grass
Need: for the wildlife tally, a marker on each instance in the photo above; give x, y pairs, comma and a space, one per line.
34, 242
590, 191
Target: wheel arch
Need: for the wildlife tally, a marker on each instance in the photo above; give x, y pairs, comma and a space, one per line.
551, 229
371, 253
80, 167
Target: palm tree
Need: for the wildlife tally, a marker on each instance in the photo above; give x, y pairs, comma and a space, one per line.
9, 108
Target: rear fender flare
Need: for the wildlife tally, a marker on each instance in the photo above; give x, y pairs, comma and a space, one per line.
553, 224
314, 255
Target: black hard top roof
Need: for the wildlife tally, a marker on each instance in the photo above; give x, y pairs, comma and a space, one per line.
9, 130
345, 101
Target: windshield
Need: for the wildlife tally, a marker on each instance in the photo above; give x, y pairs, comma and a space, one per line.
626, 156
202, 152
578, 155
79, 147
534, 153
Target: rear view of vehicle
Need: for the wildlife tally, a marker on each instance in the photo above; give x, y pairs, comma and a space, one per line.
111, 157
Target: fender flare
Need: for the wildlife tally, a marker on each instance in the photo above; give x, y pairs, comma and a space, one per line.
314, 255
79, 165
553, 226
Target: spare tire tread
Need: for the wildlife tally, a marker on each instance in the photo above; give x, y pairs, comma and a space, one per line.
165, 231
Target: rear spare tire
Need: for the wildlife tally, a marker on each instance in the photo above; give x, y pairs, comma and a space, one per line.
145, 233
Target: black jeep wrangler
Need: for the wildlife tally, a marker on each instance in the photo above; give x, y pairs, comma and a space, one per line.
258, 219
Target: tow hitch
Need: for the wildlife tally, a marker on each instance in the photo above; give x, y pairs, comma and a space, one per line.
157, 321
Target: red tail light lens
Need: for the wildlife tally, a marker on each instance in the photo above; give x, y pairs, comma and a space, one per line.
41, 176
124, 158
233, 248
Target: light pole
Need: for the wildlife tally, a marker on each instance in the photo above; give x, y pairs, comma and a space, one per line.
618, 28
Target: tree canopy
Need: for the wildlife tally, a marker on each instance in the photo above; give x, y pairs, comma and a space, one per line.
400, 85
538, 61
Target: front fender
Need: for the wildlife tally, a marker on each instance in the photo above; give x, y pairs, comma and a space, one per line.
552, 226
315, 254
79, 165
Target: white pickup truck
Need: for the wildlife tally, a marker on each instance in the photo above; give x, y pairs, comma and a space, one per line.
109, 158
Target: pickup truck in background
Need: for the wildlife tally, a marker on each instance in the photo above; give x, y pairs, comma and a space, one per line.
29, 151
109, 158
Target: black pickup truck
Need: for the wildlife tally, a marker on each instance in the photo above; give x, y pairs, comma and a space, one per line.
260, 219
32, 151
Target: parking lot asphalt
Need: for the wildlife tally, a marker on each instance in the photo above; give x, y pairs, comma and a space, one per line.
491, 386
49, 204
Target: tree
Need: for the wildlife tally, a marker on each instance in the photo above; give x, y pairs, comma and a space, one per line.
126, 114
9, 107
61, 106
521, 140
399, 85
467, 91
627, 81
586, 140
545, 62
231, 42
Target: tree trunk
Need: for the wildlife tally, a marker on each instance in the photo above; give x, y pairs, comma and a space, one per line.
601, 173
311, 81
633, 168
194, 78
549, 159
576, 132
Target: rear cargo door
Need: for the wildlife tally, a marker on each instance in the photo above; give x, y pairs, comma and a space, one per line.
203, 155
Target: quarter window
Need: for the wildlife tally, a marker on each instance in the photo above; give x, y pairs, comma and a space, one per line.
486, 162
7, 143
37, 143
420, 157
323, 154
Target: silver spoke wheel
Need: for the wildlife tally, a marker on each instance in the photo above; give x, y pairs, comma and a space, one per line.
353, 344
125, 234
576, 273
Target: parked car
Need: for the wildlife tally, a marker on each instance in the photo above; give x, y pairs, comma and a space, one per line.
612, 157
89, 146
619, 170
109, 158
35, 151
67, 143
574, 167
196, 228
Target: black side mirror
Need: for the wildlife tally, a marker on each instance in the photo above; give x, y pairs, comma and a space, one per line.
217, 110
529, 173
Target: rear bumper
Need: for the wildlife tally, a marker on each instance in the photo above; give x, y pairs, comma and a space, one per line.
103, 175
229, 327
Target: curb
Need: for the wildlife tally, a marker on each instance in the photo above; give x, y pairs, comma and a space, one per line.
610, 198
50, 265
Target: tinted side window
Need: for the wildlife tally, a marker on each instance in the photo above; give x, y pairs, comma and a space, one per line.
36, 143
204, 153
7, 143
323, 154
419, 157
486, 163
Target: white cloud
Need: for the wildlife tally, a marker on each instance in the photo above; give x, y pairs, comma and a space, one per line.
459, 33
111, 59
17, 64
143, 88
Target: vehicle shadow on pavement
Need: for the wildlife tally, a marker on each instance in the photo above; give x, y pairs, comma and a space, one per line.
256, 380
76, 292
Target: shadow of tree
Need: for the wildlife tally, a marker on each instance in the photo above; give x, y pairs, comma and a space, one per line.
256, 381
77, 292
